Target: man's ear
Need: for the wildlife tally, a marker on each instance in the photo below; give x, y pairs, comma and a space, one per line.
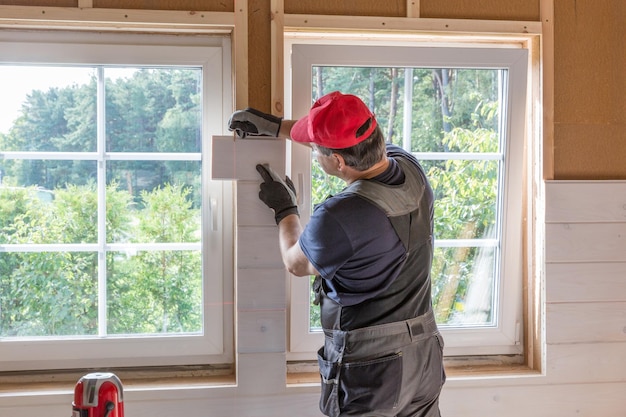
341, 163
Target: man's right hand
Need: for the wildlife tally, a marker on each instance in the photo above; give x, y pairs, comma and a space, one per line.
276, 193
252, 122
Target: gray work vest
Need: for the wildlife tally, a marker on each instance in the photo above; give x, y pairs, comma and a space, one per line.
409, 208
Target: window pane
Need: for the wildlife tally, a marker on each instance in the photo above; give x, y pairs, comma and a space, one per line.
465, 198
30, 183
315, 318
153, 109
47, 174
48, 108
48, 294
30, 214
153, 292
442, 100
463, 286
154, 201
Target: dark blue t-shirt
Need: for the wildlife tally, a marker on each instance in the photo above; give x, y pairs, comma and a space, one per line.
352, 243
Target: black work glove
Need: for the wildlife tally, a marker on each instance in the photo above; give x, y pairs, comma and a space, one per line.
252, 122
277, 194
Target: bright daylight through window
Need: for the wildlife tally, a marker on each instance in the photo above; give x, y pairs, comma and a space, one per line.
460, 112
104, 236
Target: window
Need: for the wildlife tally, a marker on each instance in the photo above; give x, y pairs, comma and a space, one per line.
113, 239
461, 111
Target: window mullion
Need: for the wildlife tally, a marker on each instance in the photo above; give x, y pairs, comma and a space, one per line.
101, 187
467, 243
468, 156
407, 127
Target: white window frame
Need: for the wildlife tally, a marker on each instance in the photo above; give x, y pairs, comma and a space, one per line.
301, 54
213, 55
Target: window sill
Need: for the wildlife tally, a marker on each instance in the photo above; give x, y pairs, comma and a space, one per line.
23, 383
299, 375
456, 370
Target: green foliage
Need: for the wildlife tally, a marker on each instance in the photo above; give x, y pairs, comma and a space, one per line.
465, 190
149, 111
323, 185
55, 201
47, 293
159, 291
13, 202
55, 293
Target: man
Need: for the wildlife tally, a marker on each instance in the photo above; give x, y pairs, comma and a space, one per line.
370, 248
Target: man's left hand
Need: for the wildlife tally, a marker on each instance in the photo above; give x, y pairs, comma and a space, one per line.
252, 122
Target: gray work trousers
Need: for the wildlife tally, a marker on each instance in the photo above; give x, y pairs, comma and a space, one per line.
388, 370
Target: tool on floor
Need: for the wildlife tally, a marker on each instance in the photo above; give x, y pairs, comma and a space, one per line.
98, 394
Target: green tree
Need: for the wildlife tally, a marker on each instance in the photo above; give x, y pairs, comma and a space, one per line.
49, 293
159, 291
466, 192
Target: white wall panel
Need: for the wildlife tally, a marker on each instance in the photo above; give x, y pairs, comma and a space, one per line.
252, 285
580, 282
585, 201
260, 275
565, 400
237, 158
258, 247
261, 331
584, 363
260, 374
581, 242
586, 322
251, 211
586, 283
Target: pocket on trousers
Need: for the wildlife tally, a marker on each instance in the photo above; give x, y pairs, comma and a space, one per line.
371, 385
440, 340
329, 403
360, 386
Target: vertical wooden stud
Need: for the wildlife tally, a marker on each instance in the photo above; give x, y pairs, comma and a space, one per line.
412, 8
240, 46
533, 270
277, 58
547, 35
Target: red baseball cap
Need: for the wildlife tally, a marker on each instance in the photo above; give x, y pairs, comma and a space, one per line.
333, 122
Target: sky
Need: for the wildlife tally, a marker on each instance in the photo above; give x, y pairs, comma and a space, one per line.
17, 81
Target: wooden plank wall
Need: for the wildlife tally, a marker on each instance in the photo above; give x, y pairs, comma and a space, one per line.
586, 283
586, 269
585, 320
